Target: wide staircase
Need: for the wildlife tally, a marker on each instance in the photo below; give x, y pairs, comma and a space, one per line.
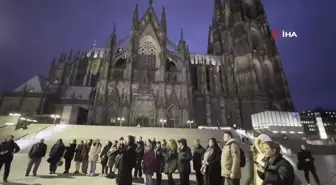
20, 133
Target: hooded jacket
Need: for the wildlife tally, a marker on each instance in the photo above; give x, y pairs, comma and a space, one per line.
230, 160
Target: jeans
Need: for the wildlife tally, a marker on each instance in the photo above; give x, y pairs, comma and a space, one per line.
33, 161
231, 181
7, 162
311, 169
93, 166
149, 180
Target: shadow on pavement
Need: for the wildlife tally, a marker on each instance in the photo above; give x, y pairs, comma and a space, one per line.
58, 176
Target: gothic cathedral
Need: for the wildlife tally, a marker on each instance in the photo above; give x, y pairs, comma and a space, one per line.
148, 84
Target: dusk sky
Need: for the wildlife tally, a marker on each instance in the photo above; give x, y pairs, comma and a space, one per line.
32, 32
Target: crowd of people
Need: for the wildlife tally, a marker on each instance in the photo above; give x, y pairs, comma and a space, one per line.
215, 164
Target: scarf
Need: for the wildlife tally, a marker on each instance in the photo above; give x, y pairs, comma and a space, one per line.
208, 153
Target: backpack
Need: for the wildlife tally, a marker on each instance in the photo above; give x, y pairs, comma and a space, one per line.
242, 157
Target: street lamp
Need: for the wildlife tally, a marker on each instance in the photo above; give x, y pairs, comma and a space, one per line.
55, 117
190, 122
163, 121
120, 120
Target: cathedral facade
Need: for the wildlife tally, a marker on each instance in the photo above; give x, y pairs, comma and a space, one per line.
154, 82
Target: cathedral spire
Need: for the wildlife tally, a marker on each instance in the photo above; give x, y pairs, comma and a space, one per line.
210, 40
163, 20
182, 39
135, 17
70, 54
217, 11
151, 3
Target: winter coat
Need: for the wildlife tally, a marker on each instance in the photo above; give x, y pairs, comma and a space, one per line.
103, 155
7, 148
111, 156
56, 153
213, 171
78, 153
159, 160
149, 162
126, 164
171, 165
184, 158
38, 150
230, 160
278, 171
198, 153
85, 152
70, 151
94, 152
302, 156
140, 153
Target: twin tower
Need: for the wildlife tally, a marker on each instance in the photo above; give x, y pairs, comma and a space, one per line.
146, 79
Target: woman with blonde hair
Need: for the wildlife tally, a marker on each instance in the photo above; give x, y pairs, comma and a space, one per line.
259, 155
171, 161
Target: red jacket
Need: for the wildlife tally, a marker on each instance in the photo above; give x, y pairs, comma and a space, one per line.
149, 162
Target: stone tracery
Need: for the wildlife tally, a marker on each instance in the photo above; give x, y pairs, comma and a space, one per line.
147, 48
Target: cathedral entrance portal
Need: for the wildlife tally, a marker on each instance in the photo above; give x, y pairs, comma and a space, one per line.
144, 113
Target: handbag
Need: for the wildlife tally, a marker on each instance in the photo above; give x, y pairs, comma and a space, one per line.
60, 163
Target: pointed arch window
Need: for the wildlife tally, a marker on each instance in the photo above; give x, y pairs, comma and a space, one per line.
173, 117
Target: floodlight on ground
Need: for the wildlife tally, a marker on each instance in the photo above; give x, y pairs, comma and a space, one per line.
34, 121
190, 122
14, 114
29, 120
163, 121
22, 118
120, 119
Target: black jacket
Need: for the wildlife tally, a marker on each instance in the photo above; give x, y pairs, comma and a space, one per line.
126, 164
159, 159
278, 171
70, 151
197, 157
302, 156
184, 158
213, 174
56, 153
38, 150
7, 148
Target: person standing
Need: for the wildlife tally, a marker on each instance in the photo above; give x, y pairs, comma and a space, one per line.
104, 158
149, 164
94, 156
184, 158
35, 155
171, 161
306, 163
69, 155
159, 162
211, 164
230, 160
198, 153
258, 156
7, 150
111, 155
126, 162
55, 155
85, 157
140, 153
277, 170
78, 156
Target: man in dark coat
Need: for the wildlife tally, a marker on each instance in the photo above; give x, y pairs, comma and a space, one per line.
55, 155
278, 171
69, 155
126, 162
35, 155
139, 156
198, 153
306, 163
7, 150
184, 158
